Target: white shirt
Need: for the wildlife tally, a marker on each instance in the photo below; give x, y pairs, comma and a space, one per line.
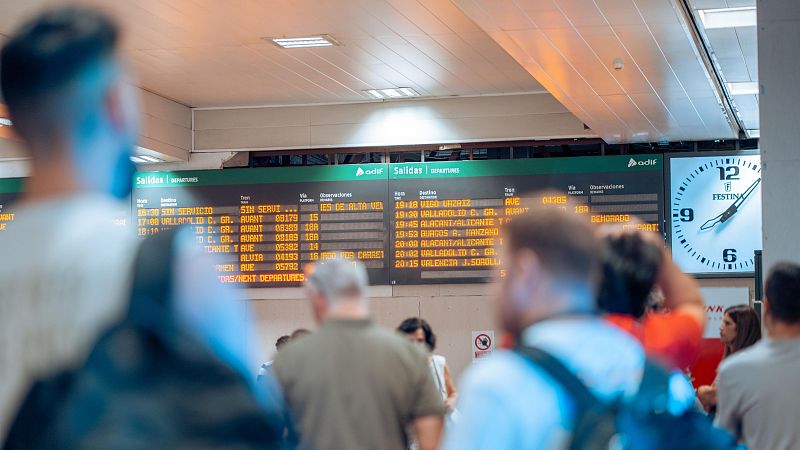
64, 277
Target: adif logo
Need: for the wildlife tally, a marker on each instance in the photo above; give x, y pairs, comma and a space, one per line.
646, 162
375, 171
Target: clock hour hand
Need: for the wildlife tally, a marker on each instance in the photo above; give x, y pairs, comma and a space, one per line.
711, 222
733, 209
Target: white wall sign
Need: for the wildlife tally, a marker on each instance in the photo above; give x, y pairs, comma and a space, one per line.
717, 299
482, 344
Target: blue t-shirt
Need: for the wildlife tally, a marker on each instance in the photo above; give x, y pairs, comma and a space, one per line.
507, 402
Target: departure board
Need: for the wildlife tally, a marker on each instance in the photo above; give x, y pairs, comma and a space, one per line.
266, 224
9, 191
446, 216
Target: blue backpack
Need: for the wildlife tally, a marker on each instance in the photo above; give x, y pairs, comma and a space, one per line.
639, 423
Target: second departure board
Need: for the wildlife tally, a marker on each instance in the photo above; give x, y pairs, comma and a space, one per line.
446, 216
266, 224
9, 191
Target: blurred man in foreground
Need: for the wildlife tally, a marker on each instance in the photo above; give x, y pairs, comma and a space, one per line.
352, 384
635, 264
66, 271
547, 300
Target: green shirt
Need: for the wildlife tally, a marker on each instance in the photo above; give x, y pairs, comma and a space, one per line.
354, 385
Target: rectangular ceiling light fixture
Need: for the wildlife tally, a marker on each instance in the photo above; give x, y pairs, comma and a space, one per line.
743, 88
392, 93
728, 17
5, 122
322, 40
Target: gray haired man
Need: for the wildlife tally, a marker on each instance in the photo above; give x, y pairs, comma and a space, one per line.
353, 384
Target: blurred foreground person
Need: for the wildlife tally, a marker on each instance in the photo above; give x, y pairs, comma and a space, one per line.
635, 263
352, 384
104, 343
758, 388
740, 329
574, 380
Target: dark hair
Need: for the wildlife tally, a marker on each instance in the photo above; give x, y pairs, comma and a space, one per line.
748, 328
44, 57
412, 324
630, 268
300, 332
782, 291
283, 340
564, 243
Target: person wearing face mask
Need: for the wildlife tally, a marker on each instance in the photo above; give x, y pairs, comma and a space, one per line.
67, 271
419, 331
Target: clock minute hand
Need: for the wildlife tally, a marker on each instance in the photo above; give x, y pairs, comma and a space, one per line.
733, 209
747, 193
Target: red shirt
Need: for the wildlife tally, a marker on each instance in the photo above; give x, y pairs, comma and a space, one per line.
672, 337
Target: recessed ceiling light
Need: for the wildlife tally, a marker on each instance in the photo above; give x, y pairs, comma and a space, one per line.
392, 93
755, 133
728, 17
322, 40
743, 88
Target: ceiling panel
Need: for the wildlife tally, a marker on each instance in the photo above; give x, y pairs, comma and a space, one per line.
735, 55
664, 89
211, 53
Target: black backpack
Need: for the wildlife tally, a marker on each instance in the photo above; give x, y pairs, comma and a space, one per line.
640, 423
146, 384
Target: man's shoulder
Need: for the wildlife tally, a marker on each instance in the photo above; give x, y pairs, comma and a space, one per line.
505, 370
747, 359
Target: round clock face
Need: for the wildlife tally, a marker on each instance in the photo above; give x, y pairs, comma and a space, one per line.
715, 213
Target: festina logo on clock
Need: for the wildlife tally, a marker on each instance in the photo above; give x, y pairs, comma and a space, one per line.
715, 213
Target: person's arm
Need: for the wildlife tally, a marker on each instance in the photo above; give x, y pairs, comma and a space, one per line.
707, 396
429, 431
681, 291
452, 394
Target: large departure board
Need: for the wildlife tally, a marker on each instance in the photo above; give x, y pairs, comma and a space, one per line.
266, 224
446, 216
9, 191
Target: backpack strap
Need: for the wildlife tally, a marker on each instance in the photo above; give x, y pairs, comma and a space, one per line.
150, 305
578, 391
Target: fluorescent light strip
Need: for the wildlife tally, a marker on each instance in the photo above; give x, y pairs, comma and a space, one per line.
304, 42
728, 17
743, 88
150, 159
391, 93
137, 159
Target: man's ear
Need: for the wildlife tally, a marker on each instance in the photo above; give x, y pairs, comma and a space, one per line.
114, 106
528, 274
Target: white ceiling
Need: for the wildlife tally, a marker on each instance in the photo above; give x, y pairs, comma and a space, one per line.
736, 53
210, 53
664, 90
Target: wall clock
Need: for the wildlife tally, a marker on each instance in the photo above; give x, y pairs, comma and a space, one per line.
715, 212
